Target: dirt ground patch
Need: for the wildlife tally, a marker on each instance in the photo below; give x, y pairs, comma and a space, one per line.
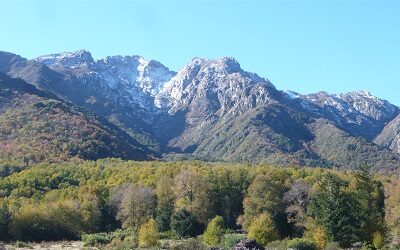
70, 245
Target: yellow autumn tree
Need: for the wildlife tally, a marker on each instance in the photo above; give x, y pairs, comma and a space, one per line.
148, 234
262, 229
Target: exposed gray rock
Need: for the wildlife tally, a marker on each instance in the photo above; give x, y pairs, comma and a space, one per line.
247, 244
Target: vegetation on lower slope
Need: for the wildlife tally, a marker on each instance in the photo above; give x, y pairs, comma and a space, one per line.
344, 150
155, 202
36, 126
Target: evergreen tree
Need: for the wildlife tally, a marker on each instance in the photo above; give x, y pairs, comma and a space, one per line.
5, 217
185, 224
165, 203
369, 198
163, 216
333, 208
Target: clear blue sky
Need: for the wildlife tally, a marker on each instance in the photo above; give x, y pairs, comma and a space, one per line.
304, 46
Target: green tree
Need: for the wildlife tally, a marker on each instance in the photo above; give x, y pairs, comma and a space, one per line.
148, 234
89, 207
163, 216
370, 199
165, 204
263, 230
5, 217
332, 206
265, 196
215, 231
226, 193
185, 224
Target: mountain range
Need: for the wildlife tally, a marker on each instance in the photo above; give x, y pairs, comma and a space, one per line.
210, 109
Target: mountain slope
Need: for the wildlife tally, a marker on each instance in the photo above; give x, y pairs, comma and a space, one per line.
339, 147
233, 115
215, 110
115, 88
390, 136
37, 126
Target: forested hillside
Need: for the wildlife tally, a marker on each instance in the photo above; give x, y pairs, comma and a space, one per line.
37, 126
158, 204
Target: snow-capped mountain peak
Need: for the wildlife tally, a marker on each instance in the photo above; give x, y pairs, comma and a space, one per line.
135, 71
67, 59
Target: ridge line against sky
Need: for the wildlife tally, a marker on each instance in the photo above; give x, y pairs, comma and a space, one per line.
305, 46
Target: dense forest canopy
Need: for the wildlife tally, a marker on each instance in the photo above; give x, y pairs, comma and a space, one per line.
67, 200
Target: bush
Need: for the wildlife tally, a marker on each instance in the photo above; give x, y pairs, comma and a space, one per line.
214, 232
21, 244
262, 229
278, 245
148, 234
320, 238
99, 239
302, 244
185, 224
167, 235
378, 240
127, 244
332, 246
190, 244
230, 240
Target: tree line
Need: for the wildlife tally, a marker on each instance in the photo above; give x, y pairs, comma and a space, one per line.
65, 200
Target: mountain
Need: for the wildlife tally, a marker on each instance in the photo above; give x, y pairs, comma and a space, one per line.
390, 136
215, 110
359, 112
117, 88
37, 126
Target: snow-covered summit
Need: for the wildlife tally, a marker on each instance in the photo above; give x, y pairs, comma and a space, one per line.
67, 59
134, 72
219, 84
354, 103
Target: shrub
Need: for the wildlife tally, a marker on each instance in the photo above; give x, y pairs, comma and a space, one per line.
119, 244
262, 229
230, 240
302, 244
332, 246
191, 244
214, 232
21, 244
148, 234
278, 245
98, 239
167, 235
378, 241
185, 224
